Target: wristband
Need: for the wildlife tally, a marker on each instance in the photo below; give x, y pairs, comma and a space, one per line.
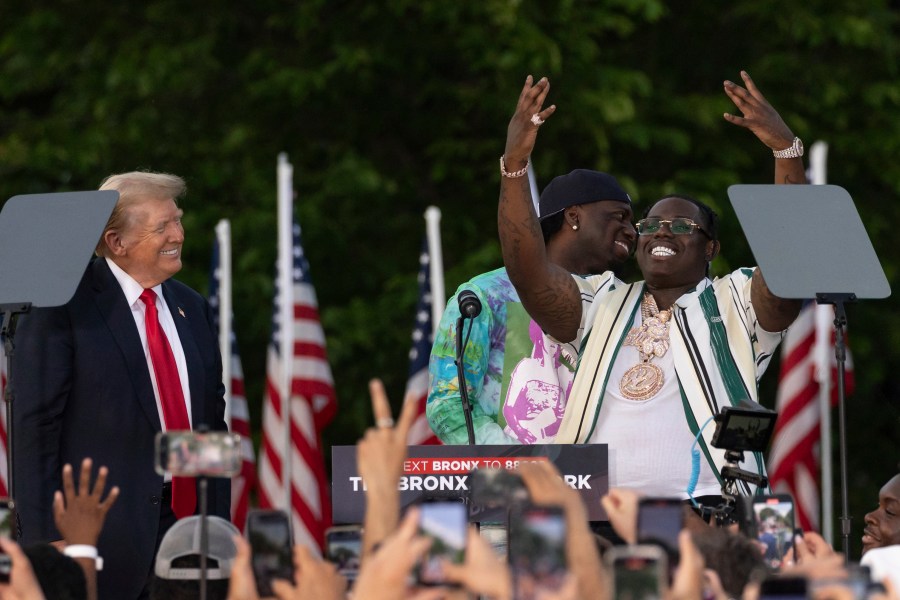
84, 551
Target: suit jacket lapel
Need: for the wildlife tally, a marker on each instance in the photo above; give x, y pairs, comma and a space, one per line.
191, 353
111, 303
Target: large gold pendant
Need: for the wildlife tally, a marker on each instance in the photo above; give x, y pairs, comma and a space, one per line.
641, 382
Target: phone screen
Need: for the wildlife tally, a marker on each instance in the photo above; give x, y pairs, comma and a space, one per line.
343, 547
783, 588
774, 520
537, 551
7, 530
191, 453
660, 520
446, 524
639, 577
7, 519
269, 533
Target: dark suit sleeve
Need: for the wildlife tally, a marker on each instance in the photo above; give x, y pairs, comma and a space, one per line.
42, 368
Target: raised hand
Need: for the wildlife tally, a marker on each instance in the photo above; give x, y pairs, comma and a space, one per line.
80, 514
386, 573
379, 458
621, 506
381, 452
687, 583
22, 584
530, 114
758, 115
242, 584
316, 579
482, 572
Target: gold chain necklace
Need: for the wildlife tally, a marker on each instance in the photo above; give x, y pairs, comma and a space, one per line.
644, 380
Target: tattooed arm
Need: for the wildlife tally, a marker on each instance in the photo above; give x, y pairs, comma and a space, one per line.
547, 291
774, 313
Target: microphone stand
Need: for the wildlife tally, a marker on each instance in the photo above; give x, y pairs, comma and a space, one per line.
461, 376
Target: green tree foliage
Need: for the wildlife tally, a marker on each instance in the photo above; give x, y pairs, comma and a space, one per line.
385, 108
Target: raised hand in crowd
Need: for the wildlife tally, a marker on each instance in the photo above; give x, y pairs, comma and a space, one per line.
22, 585
808, 548
379, 457
766, 124
546, 486
80, 513
241, 584
687, 584
621, 506
712, 586
385, 573
482, 573
317, 579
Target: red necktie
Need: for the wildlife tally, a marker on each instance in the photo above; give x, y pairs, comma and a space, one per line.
171, 396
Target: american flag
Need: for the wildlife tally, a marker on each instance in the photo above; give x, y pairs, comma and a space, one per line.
807, 362
4, 489
422, 339
242, 484
312, 404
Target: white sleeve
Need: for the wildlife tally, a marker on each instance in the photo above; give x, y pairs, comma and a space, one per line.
764, 342
589, 287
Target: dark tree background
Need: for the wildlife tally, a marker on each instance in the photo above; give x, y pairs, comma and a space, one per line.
385, 108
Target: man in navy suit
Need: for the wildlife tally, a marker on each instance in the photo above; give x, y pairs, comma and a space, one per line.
86, 384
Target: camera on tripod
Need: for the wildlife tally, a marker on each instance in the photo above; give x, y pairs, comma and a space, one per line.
747, 427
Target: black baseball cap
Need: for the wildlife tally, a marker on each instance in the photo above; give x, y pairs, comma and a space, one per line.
581, 186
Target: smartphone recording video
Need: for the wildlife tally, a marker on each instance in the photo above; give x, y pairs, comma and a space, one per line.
494, 487
445, 522
343, 547
773, 521
7, 530
269, 534
194, 454
779, 587
7, 519
660, 520
638, 572
537, 551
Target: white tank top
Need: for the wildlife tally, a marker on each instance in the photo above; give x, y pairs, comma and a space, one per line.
650, 440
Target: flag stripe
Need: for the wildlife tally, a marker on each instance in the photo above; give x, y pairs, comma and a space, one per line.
794, 456
312, 405
243, 484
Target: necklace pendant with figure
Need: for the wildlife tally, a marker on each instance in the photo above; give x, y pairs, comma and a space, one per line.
642, 381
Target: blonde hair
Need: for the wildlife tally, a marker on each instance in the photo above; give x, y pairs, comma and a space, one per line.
136, 188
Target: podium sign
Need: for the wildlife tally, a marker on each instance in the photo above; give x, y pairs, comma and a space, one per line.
443, 472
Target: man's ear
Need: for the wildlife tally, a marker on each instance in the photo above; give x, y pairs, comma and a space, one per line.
114, 242
712, 250
572, 217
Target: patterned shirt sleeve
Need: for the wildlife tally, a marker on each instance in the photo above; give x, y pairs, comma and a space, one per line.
444, 406
589, 286
764, 342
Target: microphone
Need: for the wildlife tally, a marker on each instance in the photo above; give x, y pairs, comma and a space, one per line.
469, 304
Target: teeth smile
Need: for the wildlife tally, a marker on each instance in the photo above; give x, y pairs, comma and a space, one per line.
624, 245
662, 251
170, 252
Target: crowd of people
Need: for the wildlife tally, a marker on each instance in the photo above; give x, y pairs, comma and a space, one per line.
564, 352
711, 562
